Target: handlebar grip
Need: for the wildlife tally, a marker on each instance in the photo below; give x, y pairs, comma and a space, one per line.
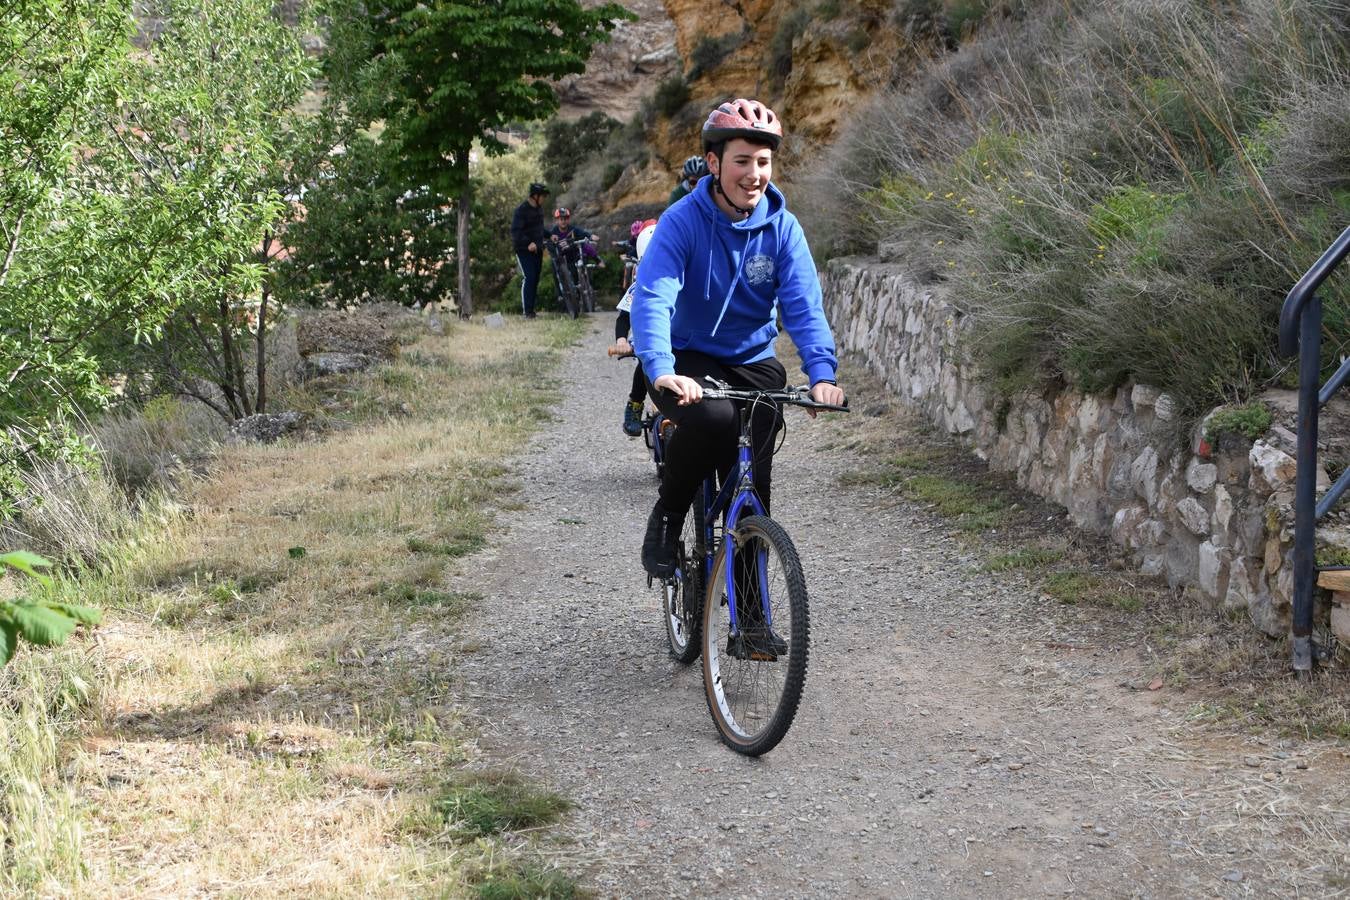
615, 351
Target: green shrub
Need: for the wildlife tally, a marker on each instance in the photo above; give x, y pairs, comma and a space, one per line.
1251, 420
1136, 213
709, 52
778, 59
1115, 191
569, 144
670, 96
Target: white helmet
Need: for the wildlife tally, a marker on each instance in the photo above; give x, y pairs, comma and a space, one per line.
644, 237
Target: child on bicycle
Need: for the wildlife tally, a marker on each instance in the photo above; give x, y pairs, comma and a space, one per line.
582, 244
722, 266
632, 409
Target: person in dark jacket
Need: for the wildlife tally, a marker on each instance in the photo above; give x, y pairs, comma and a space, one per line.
527, 239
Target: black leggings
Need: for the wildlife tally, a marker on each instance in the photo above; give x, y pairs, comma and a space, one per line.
621, 325
705, 439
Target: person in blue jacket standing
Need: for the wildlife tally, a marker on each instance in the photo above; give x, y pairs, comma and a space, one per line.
725, 263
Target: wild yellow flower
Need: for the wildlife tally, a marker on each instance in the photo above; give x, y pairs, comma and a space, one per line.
949, 195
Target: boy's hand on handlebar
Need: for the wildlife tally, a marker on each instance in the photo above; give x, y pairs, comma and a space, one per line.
621, 348
685, 389
824, 392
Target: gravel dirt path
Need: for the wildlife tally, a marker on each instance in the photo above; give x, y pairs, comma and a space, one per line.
960, 735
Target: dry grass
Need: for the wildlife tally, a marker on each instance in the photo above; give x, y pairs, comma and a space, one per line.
274, 717
1227, 675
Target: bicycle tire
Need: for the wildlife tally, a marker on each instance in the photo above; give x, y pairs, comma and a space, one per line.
587, 291
569, 288
753, 701
682, 595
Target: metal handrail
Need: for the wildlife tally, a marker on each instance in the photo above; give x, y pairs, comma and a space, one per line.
1303, 292
1301, 333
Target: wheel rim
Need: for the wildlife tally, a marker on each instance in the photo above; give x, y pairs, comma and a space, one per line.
677, 621
748, 692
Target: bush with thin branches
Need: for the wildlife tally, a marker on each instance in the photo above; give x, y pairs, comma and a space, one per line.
1115, 191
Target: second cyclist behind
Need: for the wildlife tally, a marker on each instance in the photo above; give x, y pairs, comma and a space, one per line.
564, 229
722, 267
695, 167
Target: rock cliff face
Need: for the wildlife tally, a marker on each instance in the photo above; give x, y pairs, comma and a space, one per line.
638, 56
810, 68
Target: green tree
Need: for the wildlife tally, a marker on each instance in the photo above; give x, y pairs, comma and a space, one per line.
569, 144
365, 237
128, 191
216, 89
460, 72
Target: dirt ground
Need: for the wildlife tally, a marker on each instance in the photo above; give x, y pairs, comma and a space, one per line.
960, 734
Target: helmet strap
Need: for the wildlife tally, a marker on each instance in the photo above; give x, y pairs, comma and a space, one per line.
717, 186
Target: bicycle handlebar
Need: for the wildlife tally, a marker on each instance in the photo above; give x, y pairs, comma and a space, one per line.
794, 396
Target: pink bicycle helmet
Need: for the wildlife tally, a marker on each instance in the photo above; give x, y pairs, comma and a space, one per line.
644, 236
742, 118
636, 227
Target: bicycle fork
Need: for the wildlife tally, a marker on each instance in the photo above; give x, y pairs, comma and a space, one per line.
744, 496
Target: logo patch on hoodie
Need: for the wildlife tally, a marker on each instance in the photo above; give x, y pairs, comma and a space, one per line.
759, 269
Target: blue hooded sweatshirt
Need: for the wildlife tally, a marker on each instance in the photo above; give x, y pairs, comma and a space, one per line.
712, 285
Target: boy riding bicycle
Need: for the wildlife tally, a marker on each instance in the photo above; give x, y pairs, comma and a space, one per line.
579, 244
724, 264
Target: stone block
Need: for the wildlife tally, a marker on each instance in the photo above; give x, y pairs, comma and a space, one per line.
1223, 512
1150, 533
1340, 623
1274, 556
1201, 476
1193, 516
1241, 589
1212, 570
1165, 408
1144, 475
1124, 523
1143, 397
1271, 468
1183, 561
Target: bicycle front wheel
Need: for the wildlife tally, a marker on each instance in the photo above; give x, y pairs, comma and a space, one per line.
754, 671
569, 289
682, 602
587, 293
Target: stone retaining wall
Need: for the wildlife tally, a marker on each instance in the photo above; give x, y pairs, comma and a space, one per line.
1213, 520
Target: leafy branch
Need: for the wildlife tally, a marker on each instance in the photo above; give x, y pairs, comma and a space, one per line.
45, 623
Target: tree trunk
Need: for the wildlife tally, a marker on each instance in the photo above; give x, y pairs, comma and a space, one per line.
235, 385
462, 236
260, 395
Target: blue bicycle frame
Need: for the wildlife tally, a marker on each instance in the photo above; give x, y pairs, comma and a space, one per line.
738, 492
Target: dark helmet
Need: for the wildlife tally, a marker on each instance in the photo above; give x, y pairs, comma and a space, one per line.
536, 188
695, 167
562, 212
742, 118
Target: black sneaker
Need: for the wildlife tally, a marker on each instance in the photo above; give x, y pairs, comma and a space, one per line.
660, 544
757, 642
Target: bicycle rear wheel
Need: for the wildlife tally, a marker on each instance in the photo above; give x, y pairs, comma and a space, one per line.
682, 601
753, 675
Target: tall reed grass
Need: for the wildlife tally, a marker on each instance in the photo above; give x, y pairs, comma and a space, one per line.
1114, 190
